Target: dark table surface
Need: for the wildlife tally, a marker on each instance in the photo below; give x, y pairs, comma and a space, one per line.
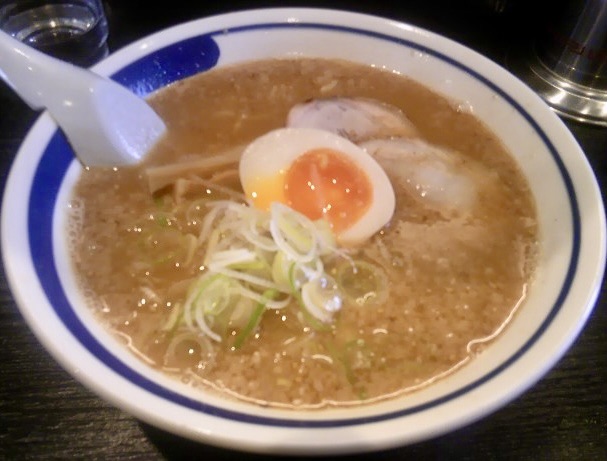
46, 414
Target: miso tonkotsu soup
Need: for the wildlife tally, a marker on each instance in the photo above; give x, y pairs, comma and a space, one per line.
202, 287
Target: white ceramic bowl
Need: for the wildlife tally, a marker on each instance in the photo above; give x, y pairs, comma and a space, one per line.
570, 212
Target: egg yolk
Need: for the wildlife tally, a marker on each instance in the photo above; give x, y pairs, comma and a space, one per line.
266, 190
325, 183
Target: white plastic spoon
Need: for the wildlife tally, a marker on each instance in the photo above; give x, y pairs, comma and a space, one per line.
105, 123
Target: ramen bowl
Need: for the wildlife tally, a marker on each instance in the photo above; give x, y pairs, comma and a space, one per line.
557, 305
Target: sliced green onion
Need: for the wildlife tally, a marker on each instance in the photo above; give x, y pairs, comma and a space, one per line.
285, 272
326, 238
254, 319
212, 242
209, 296
206, 350
312, 272
231, 257
257, 265
310, 319
252, 232
198, 288
241, 259
322, 298
162, 219
174, 318
254, 252
293, 233
202, 324
270, 304
241, 312
216, 297
207, 223
244, 276
362, 283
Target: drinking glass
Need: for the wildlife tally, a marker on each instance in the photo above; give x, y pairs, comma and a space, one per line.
72, 30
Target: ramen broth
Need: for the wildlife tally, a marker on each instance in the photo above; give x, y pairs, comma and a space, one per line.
450, 283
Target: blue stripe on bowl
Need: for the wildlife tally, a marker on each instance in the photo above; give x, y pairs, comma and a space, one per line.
173, 65
169, 64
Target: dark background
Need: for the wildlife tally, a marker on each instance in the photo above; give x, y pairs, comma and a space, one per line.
46, 414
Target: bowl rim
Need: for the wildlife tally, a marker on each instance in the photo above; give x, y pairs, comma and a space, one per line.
163, 38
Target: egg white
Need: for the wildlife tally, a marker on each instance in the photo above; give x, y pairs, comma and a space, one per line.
267, 159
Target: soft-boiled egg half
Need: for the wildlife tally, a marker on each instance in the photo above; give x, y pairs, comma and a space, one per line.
320, 175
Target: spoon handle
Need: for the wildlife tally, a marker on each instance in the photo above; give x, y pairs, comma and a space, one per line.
106, 124
27, 70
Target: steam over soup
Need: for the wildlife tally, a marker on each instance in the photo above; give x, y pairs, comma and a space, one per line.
340, 273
